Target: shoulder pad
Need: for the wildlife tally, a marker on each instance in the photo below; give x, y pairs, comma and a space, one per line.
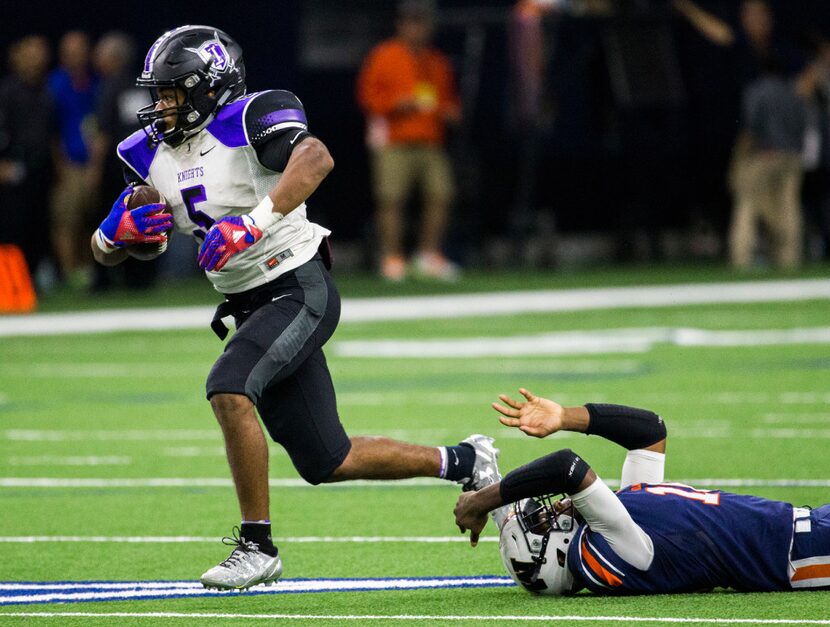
272, 111
228, 126
138, 152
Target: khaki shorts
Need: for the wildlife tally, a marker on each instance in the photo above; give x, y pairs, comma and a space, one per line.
72, 200
398, 168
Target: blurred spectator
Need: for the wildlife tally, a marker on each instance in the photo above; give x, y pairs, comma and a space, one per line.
530, 50
115, 114
407, 91
74, 89
28, 132
816, 155
767, 175
755, 41
766, 172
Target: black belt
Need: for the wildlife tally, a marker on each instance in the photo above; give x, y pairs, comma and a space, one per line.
242, 305
222, 311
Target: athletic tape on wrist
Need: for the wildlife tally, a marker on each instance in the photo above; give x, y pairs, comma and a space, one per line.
264, 215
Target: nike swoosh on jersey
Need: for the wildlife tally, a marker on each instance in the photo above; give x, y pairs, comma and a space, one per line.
295, 137
278, 297
203, 153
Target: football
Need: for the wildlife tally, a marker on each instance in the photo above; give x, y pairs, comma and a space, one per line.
146, 195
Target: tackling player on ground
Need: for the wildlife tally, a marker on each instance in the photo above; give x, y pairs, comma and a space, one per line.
236, 171
649, 537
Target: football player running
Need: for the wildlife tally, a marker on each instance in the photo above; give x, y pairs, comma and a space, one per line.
236, 170
649, 537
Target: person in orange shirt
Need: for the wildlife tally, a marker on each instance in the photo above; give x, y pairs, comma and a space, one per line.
407, 91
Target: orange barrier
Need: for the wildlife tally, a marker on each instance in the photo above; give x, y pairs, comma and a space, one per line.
17, 294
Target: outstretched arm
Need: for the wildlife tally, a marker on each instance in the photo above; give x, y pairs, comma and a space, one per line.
629, 427
640, 431
713, 28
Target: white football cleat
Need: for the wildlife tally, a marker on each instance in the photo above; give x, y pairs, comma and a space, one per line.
246, 566
486, 467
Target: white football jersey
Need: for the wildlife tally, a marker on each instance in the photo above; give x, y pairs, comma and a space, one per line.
217, 173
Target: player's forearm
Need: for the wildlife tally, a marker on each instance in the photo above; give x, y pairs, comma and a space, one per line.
106, 259
557, 473
309, 164
629, 427
575, 419
489, 498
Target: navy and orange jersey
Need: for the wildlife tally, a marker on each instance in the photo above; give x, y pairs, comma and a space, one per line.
702, 540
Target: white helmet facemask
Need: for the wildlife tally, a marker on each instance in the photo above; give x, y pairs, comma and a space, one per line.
534, 544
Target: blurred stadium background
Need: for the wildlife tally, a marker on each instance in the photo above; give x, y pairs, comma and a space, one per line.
619, 182
626, 161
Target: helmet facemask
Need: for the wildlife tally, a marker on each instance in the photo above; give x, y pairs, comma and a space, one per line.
153, 120
539, 517
534, 543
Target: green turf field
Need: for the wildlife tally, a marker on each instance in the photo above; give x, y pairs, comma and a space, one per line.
82, 411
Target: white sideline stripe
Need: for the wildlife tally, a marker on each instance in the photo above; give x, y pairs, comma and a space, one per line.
432, 307
213, 539
636, 340
427, 618
132, 370
218, 482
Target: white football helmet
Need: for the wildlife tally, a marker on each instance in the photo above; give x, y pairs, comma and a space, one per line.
534, 545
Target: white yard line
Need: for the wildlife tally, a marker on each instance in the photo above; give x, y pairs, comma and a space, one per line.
70, 460
806, 418
218, 482
636, 340
685, 430
495, 618
212, 540
132, 435
433, 307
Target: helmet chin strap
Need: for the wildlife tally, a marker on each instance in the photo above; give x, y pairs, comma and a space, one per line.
223, 100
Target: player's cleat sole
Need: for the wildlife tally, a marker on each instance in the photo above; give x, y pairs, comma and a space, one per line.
485, 468
255, 570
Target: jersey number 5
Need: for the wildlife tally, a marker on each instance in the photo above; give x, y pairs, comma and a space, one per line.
191, 197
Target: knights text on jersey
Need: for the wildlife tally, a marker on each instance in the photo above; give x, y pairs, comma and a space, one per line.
702, 540
217, 173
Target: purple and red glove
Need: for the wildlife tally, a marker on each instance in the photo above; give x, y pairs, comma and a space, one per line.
226, 238
142, 225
